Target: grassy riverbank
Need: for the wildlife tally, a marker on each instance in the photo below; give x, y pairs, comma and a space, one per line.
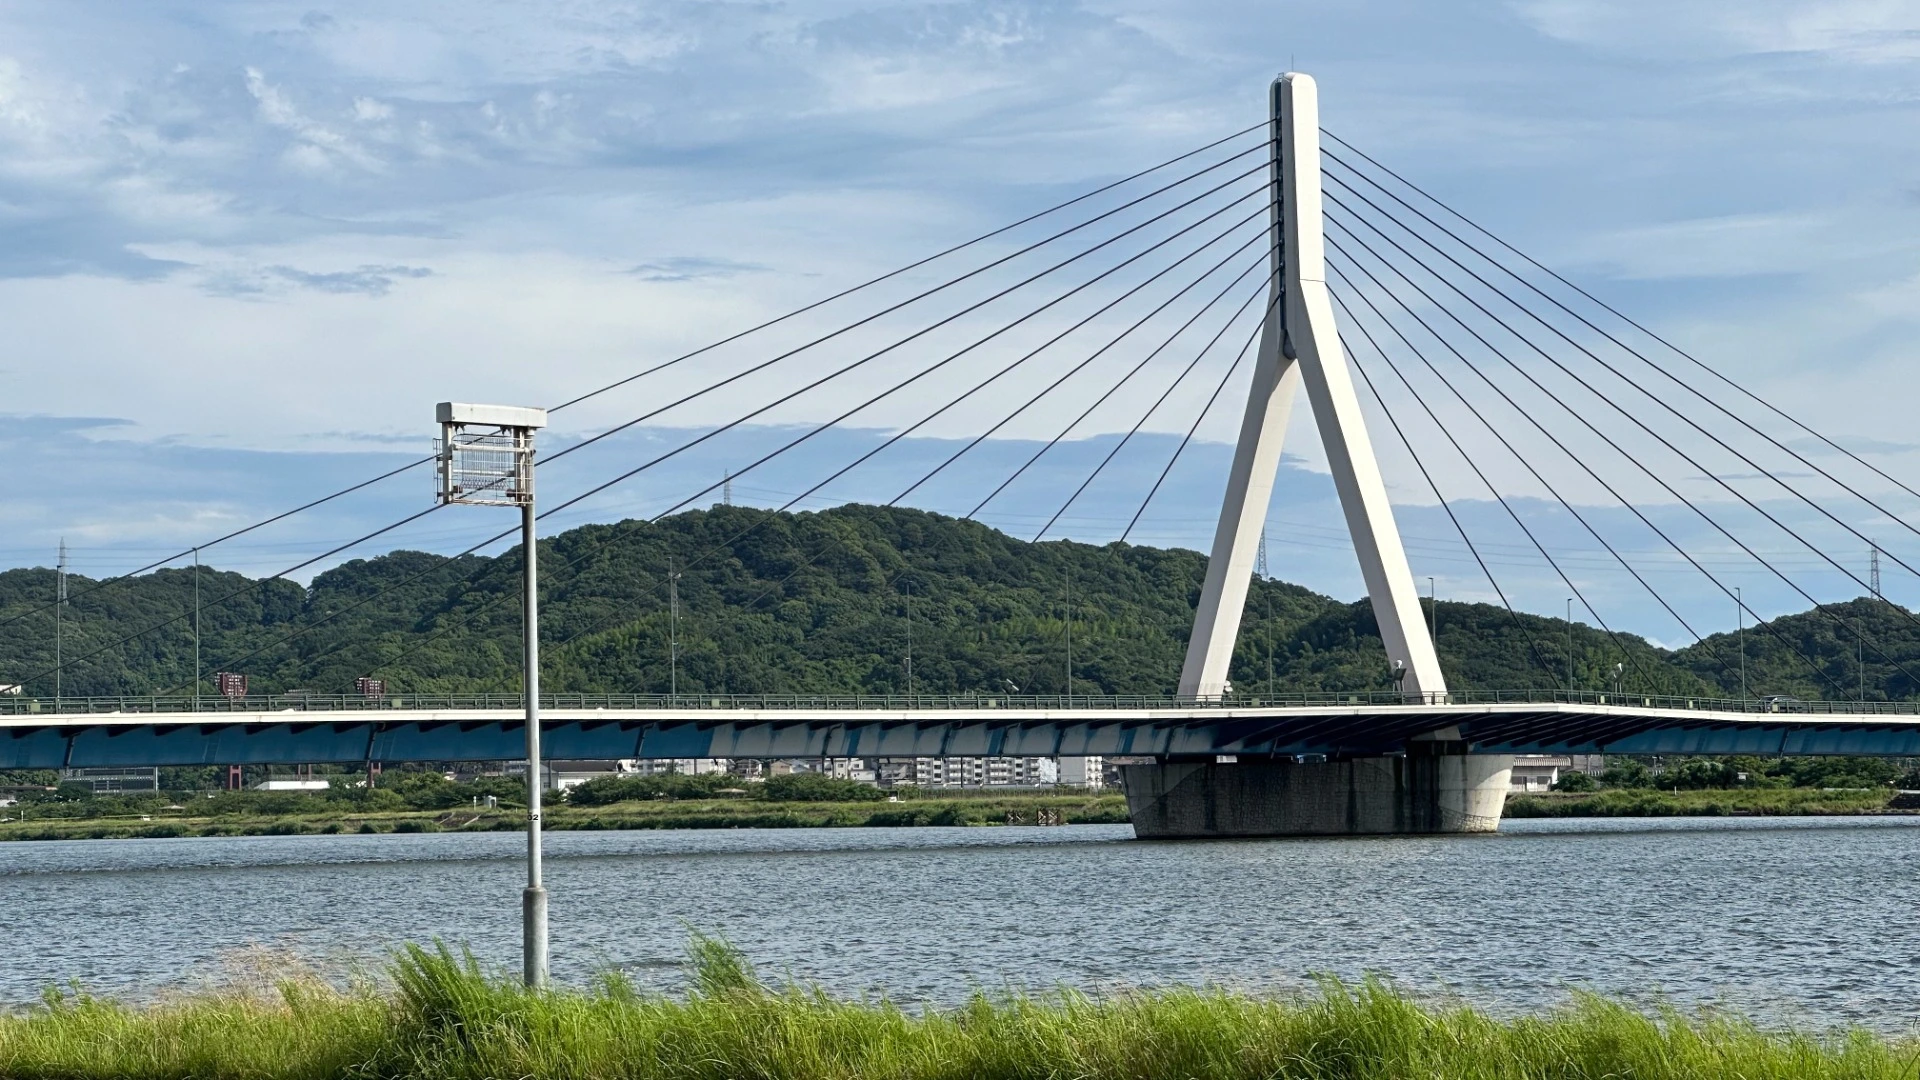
1022, 809
438, 1016
1757, 802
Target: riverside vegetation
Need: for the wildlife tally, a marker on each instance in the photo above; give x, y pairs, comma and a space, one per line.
427, 802
436, 1014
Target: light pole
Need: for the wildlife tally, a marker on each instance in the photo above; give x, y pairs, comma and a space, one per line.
59, 601
1433, 615
673, 633
486, 458
196, 629
1069, 607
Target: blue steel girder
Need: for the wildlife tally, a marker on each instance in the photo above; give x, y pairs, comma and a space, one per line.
1349, 735
184, 739
1554, 729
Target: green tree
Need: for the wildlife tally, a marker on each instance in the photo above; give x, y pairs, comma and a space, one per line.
1575, 781
1626, 773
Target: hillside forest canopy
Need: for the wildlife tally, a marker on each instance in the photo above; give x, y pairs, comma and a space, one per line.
833, 602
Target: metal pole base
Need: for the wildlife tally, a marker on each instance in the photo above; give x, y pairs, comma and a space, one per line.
533, 921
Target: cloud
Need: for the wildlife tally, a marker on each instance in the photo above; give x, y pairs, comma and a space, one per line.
693, 268
1740, 245
1859, 444
248, 282
1866, 31
365, 280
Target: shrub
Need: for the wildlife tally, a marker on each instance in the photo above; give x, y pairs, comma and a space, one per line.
812, 787
603, 790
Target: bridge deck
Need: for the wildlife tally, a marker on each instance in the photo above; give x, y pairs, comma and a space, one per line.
284, 732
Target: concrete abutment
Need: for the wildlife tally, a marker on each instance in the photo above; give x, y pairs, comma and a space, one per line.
1430, 789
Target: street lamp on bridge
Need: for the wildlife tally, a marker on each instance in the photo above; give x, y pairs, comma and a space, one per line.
486, 458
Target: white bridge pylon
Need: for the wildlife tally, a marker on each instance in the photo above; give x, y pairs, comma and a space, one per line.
1299, 343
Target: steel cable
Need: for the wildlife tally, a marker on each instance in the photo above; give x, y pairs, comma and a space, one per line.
737, 537
1511, 449
697, 441
704, 349
1683, 455
1655, 398
506, 533
1201, 418
1394, 421
1478, 472
1565, 407
1602, 304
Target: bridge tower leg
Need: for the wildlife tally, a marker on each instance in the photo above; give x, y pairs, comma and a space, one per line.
1300, 343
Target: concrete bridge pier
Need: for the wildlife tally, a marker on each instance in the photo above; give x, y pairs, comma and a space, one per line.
1435, 787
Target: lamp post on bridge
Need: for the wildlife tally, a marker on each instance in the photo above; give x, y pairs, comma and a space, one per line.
486, 458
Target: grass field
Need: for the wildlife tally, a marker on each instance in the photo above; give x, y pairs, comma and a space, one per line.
436, 1015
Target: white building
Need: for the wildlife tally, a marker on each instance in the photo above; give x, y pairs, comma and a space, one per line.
1539, 772
931, 772
683, 766
307, 784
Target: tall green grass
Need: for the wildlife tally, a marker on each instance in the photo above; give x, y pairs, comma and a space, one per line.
1646, 802
440, 1015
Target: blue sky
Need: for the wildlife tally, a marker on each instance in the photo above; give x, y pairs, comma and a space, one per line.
245, 246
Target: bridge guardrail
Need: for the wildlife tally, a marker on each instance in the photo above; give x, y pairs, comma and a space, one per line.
330, 703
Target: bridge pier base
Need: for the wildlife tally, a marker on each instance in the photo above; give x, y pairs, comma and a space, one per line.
1433, 788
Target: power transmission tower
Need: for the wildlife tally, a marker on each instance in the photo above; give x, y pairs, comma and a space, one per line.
726, 489
1260, 559
59, 602
1873, 572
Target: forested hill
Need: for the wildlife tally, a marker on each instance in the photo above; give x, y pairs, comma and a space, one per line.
828, 602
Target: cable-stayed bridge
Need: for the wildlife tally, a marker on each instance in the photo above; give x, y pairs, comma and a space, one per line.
1236, 275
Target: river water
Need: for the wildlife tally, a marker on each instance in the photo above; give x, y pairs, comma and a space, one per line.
1808, 921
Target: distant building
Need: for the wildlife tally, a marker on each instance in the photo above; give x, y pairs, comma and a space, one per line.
1087, 772
308, 784
1539, 772
113, 781
931, 772
562, 774
684, 766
